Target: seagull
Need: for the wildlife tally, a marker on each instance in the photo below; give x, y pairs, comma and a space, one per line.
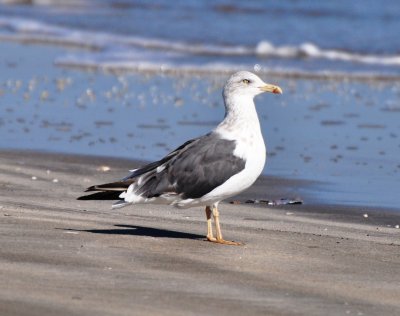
204, 170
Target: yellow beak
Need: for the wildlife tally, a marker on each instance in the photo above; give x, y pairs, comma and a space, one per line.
271, 88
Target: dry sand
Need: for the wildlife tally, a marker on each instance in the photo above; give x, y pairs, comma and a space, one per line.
60, 256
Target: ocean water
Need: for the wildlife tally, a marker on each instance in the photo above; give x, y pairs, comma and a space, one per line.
133, 79
287, 37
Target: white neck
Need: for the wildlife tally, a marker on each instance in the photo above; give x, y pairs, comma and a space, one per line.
240, 116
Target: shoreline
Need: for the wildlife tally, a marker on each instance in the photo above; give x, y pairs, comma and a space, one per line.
337, 138
267, 187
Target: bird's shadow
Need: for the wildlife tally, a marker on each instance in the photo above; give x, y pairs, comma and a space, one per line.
140, 231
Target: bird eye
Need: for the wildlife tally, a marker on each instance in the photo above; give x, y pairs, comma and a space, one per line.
246, 81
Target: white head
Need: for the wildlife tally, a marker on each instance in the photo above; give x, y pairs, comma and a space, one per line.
247, 84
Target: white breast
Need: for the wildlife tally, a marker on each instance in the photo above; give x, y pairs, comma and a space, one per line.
251, 148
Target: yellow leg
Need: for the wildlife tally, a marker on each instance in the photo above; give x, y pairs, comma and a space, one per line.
210, 235
219, 238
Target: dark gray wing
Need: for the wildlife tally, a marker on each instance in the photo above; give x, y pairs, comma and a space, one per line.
192, 170
196, 169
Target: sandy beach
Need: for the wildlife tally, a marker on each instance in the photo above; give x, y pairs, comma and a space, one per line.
67, 257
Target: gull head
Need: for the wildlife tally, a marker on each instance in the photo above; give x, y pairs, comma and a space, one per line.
247, 84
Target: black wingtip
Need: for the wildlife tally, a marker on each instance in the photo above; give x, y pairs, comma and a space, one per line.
119, 186
105, 195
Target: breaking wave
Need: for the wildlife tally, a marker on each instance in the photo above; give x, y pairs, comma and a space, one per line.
134, 52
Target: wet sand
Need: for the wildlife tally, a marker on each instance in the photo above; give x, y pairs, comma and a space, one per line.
67, 257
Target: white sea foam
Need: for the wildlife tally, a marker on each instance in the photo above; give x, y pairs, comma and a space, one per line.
136, 64
136, 53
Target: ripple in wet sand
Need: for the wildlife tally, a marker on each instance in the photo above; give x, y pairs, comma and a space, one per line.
154, 126
371, 126
332, 123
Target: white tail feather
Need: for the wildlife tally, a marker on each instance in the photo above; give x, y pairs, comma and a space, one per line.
120, 204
